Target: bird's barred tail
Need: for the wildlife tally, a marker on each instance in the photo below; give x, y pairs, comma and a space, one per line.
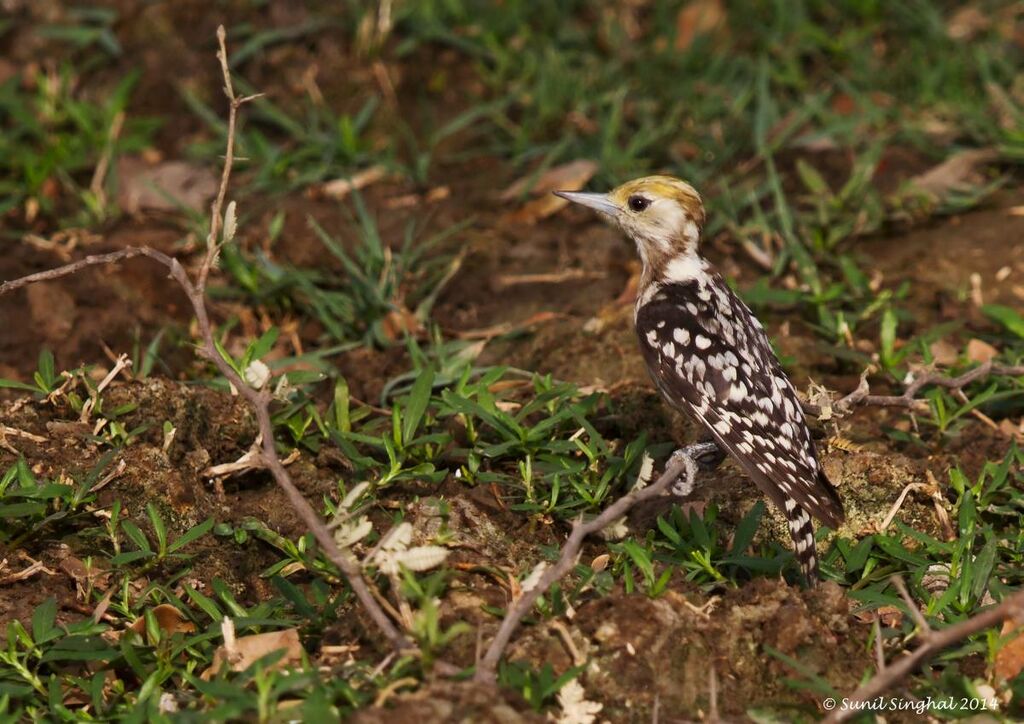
802, 531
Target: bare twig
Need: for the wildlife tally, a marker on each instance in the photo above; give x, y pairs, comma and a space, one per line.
682, 463
876, 630
213, 240
862, 395
74, 267
99, 176
915, 612
933, 641
259, 399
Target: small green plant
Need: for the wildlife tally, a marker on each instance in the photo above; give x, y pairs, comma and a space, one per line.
293, 150
537, 685
52, 141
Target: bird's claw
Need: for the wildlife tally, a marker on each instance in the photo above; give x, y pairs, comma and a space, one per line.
706, 456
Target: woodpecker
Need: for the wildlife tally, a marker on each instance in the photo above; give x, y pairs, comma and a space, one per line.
711, 359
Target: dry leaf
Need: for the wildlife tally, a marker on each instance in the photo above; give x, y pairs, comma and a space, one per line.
1010, 659
399, 322
422, 558
696, 18
168, 618
1011, 429
533, 579
163, 187
352, 531
571, 176
978, 351
398, 538
889, 616
966, 23
575, 707
342, 187
567, 177
944, 352
249, 649
958, 170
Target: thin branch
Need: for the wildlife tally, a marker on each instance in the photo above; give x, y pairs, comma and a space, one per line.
915, 612
862, 395
68, 269
934, 641
876, 631
681, 463
213, 240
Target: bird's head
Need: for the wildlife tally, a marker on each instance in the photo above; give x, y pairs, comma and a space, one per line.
662, 214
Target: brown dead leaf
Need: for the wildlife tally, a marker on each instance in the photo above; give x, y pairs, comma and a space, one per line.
249, 649
567, 177
1010, 659
979, 351
958, 170
168, 618
944, 352
571, 176
342, 187
967, 23
696, 18
886, 615
497, 330
84, 576
400, 322
163, 187
1012, 429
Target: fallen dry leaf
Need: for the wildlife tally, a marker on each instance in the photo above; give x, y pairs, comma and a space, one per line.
168, 618
958, 170
889, 616
1010, 659
509, 327
571, 176
399, 322
979, 351
697, 18
567, 177
342, 187
944, 352
966, 23
1012, 429
250, 649
165, 186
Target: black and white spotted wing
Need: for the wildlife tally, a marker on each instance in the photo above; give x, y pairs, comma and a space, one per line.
711, 358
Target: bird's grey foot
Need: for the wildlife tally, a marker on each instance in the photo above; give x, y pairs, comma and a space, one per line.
704, 455
709, 460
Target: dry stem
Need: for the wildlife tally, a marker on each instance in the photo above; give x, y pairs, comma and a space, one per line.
933, 641
682, 462
862, 395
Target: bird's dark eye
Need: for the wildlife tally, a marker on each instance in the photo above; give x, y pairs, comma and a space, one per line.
638, 203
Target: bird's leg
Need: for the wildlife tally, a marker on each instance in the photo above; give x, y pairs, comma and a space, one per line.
709, 460
706, 454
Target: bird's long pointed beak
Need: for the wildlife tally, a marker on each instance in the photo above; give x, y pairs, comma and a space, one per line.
599, 202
